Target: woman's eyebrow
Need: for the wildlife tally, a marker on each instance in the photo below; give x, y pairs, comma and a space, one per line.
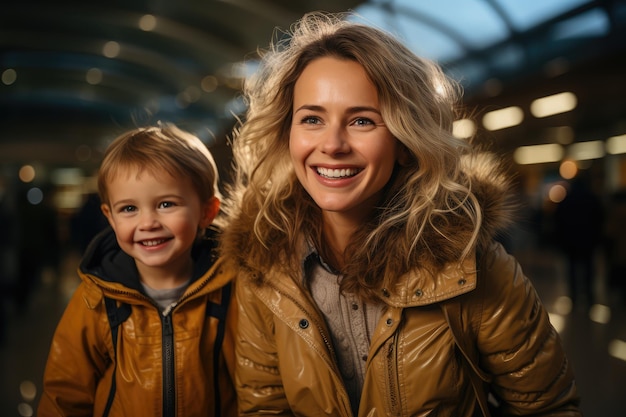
350, 110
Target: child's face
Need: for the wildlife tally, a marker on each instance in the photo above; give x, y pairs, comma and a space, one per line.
341, 149
156, 220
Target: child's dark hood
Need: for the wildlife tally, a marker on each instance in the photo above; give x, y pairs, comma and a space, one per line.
105, 259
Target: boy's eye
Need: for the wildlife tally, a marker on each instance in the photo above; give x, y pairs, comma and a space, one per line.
166, 204
128, 209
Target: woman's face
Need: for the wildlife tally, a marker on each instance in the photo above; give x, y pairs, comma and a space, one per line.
341, 149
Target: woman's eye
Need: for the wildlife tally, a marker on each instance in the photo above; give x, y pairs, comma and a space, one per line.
310, 120
363, 121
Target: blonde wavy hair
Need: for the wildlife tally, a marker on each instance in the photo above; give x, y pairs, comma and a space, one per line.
426, 198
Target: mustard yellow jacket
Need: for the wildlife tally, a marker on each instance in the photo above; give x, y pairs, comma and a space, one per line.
163, 365
287, 365
415, 367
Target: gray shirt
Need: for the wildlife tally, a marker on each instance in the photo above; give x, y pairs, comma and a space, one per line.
166, 299
350, 321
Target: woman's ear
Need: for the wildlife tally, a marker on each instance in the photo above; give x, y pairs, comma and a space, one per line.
209, 212
404, 155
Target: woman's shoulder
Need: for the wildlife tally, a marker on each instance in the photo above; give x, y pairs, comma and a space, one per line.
502, 282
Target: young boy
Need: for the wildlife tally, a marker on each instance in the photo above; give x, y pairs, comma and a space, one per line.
148, 332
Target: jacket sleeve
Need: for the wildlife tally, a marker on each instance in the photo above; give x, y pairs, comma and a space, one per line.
518, 345
259, 384
77, 359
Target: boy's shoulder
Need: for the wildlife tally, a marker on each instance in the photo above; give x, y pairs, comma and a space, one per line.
90, 293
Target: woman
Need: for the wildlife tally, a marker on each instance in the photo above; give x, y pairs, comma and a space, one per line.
364, 233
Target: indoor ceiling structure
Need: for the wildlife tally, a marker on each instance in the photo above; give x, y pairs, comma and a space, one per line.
74, 74
77, 73
509, 54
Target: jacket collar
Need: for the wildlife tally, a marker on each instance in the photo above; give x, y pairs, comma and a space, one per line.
421, 287
107, 266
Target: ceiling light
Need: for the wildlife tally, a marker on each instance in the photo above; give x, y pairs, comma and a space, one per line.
111, 49
463, 128
616, 144
557, 193
147, 22
586, 150
538, 154
617, 349
209, 83
503, 118
94, 76
9, 76
26, 173
600, 313
554, 104
568, 169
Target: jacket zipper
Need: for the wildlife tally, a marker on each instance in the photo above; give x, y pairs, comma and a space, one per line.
167, 343
169, 369
169, 392
393, 394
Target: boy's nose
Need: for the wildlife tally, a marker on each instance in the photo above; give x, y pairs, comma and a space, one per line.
148, 221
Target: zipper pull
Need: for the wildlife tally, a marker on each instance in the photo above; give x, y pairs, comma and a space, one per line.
168, 329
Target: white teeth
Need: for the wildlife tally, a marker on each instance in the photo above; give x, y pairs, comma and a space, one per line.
152, 242
337, 173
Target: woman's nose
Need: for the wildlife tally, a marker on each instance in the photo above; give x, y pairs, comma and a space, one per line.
334, 141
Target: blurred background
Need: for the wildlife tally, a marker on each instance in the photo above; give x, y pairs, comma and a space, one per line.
545, 87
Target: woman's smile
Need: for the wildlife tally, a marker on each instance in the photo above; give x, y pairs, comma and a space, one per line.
338, 173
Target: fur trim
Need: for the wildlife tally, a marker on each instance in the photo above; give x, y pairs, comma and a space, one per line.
492, 185
485, 176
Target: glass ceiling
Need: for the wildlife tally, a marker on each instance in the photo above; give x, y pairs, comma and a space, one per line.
477, 38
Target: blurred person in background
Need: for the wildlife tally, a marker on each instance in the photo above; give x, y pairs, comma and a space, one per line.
38, 243
578, 228
6, 273
615, 231
87, 222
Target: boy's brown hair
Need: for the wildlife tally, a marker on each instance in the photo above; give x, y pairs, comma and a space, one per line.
161, 148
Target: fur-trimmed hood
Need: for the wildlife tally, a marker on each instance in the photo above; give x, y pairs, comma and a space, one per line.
492, 184
488, 180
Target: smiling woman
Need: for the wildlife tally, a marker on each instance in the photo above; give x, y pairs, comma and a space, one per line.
341, 150
364, 232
